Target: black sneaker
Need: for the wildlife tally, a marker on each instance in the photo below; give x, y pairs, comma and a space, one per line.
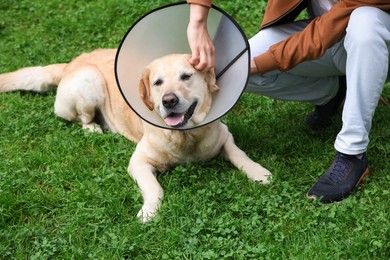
341, 179
322, 115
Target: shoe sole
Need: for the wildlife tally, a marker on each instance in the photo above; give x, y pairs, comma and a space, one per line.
360, 181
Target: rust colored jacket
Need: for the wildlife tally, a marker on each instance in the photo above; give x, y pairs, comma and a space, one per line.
314, 40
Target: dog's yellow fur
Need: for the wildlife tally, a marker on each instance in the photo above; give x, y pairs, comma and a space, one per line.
170, 85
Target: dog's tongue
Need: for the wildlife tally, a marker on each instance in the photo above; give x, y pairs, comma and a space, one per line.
174, 120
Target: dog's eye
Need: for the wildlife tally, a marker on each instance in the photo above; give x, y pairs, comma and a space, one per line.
158, 82
185, 76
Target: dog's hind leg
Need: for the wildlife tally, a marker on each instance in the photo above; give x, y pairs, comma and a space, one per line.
79, 95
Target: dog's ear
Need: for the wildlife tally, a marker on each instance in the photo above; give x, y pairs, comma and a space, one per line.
144, 89
211, 81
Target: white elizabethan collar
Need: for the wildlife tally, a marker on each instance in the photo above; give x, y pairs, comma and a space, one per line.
163, 31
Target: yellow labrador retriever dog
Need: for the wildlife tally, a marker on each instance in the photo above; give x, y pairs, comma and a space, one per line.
170, 86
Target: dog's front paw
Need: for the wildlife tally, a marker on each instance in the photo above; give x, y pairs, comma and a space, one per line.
147, 213
265, 177
260, 174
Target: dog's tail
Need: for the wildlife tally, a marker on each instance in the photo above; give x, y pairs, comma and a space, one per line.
38, 79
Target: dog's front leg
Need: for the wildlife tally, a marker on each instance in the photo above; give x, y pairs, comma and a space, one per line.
143, 174
238, 158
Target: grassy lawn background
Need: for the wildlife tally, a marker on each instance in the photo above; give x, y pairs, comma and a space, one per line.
66, 194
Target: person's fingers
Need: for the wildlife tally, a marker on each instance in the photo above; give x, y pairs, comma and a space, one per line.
202, 64
202, 48
194, 60
206, 59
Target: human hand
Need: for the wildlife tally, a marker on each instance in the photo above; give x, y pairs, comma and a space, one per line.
202, 47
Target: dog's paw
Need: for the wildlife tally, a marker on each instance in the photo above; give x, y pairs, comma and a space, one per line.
261, 175
93, 128
146, 214
265, 177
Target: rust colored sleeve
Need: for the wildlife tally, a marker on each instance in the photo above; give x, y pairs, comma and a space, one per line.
200, 2
309, 44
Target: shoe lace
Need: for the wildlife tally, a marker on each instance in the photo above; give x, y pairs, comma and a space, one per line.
339, 169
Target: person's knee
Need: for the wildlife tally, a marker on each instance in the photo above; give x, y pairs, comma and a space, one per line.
363, 26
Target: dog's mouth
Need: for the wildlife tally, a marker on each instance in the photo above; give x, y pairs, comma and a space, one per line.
180, 119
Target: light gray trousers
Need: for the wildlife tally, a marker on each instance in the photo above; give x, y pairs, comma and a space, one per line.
363, 56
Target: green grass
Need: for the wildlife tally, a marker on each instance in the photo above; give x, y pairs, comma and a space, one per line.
65, 194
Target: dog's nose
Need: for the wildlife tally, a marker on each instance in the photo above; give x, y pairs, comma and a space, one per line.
170, 100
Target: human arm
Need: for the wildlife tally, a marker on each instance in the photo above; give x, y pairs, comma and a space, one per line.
315, 39
201, 45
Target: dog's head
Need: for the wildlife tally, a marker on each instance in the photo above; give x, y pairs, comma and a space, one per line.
174, 89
